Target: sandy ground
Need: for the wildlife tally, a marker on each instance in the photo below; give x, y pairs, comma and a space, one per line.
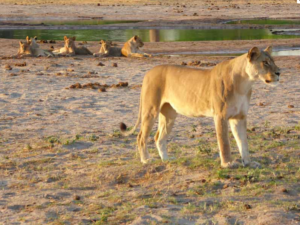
58, 142
62, 160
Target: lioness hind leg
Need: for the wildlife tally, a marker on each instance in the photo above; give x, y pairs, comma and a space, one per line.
221, 125
167, 118
142, 137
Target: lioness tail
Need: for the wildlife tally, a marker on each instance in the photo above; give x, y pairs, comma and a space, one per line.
123, 126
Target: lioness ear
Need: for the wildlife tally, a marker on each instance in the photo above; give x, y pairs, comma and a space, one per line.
74, 38
27, 39
253, 53
269, 49
101, 41
35, 38
20, 42
135, 37
65, 37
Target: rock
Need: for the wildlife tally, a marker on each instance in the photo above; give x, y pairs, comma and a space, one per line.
225, 186
247, 206
21, 64
102, 89
76, 197
77, 85
100, 64
7, 67
260, 104
194, 63
290, 106
114, 65
123, 127
123, 84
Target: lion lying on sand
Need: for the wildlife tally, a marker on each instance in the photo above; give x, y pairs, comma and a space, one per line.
132, 48
222, 92
70, 49
107, 49
31, 48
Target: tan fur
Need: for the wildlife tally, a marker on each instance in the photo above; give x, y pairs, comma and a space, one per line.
222, 92
31, 48
70, 49
108, 50
32, 41
132, 48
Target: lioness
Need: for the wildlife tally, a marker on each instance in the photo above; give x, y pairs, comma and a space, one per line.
222, 92
107, 49
32, 41
70, 49
132, 48
30, 48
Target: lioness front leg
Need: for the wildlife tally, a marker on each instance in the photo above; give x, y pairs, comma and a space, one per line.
239, 131
221, 125
147, 55
139, 55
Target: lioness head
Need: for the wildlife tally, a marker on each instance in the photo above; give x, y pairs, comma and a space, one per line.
105, 46
137, 41
24, 47
261, 66
69, 42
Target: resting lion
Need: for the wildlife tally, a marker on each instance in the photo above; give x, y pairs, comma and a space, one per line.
108, 50
222, 92
132, 48
33, 42
70, 49
31, 48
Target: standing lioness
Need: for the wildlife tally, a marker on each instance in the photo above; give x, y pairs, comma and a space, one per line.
222, 92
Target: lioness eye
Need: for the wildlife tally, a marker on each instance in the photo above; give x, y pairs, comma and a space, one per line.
266, 63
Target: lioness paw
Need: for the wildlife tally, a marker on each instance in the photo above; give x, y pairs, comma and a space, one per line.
230, 165
169, 159
147, 161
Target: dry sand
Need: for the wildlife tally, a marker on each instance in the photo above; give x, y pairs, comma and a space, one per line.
62, 160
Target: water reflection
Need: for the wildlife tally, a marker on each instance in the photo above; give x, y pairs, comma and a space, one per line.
287, 53
154, 35
265, 22
146, 35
